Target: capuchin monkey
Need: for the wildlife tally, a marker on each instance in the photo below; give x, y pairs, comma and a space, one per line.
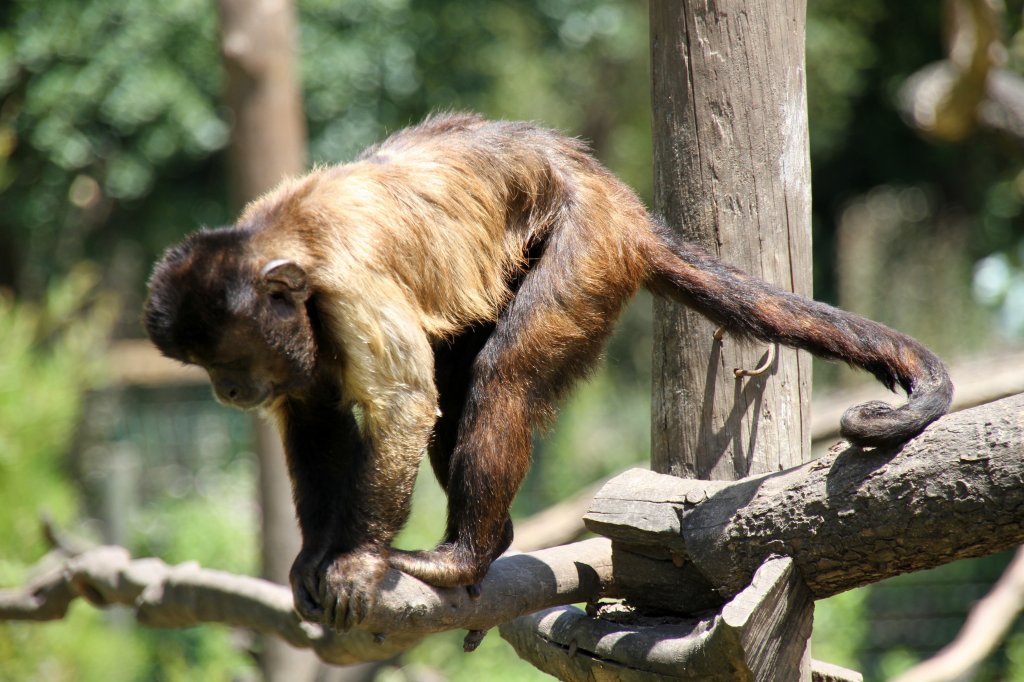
443, 292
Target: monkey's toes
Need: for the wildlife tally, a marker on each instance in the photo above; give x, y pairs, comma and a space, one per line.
445, 566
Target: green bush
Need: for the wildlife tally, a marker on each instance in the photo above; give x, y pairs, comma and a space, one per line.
50, 359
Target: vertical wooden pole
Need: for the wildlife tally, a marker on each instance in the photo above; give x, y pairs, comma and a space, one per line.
268, 133
732, 173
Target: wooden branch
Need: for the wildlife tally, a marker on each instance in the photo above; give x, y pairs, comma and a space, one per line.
1002, 110
978, 381
851, 518
827, 672
986, 626
943, 98
406, 609
950, 99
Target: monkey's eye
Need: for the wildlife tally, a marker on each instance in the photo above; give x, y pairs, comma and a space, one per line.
236, 365
282, 304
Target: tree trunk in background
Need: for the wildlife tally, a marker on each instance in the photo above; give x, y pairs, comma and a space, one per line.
268, 139
732, 173
268, 142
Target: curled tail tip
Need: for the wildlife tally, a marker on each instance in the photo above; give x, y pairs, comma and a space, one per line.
878, 424
875, 424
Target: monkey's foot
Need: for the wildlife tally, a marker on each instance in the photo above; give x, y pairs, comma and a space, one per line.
447, 566
337, 592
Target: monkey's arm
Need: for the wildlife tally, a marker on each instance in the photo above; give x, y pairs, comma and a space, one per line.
388, 374
326, 457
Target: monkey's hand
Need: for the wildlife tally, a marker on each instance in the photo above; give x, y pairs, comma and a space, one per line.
339, 590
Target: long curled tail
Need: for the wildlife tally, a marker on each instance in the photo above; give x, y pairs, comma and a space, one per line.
747, 306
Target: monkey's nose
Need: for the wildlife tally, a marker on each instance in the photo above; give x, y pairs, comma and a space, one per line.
230, 392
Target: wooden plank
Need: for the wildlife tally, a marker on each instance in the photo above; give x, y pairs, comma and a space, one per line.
732, 173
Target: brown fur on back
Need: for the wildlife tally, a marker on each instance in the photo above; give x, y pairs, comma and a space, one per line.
465, 199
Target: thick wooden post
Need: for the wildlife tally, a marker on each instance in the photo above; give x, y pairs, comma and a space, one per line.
732, 173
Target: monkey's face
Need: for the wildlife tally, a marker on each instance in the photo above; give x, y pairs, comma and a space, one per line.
240, 387
266, 347
247, 323
245, 371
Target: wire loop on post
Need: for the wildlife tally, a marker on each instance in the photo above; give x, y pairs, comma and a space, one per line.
757, 371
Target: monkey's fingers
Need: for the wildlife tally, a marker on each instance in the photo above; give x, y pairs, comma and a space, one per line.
336, 602
335, 611
306, 605
359, 604
346, 608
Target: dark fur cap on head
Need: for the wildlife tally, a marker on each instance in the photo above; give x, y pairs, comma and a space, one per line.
189, 294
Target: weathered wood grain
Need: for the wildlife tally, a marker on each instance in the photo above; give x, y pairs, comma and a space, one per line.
760, 635
732, 173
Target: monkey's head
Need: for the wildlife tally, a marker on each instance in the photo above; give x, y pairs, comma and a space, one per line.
246, 321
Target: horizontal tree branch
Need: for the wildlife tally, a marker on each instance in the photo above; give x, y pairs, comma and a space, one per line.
406, 609
853, 517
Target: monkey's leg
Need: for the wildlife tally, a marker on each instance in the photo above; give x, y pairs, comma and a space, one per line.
453, 375
550, 335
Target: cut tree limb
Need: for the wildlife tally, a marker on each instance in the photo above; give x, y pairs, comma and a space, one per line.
851, 518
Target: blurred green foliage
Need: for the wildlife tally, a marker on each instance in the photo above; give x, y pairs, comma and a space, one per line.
913, 615
48, 361
109, 108
840, 628
48, 365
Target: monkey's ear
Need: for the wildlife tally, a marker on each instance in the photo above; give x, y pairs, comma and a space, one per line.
286, 277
